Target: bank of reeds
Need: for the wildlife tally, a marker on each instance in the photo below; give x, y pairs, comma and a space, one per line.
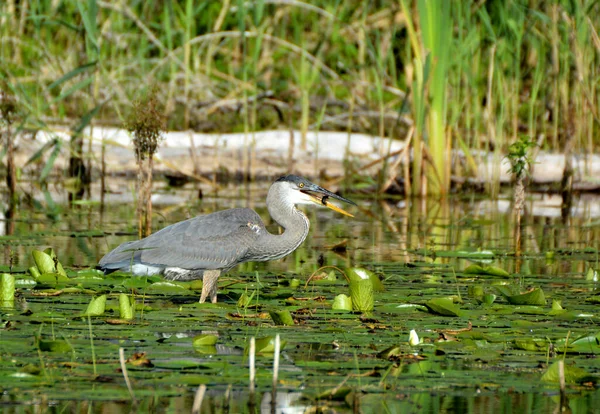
476, 75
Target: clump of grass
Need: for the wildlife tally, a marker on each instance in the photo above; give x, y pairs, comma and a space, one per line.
146, 125
520, 160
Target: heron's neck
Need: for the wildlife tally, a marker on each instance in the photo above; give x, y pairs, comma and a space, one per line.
294, 223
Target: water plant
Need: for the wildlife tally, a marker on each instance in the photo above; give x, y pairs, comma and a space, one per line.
146, 125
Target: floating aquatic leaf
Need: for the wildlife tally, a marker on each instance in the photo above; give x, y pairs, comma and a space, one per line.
204, 340
25, 282
7, 287
139, 282
533, 297
359, 273
43, 261
342, 302
531, 344
168, 287
488, 298
294, 283
591, 275
266, 345
335, 394
584, 345
361, 294
573, 374
33, 271
52, 279
390, 352
475, 269
483, 256
443, 306
96, 306
56, 345
244, 301
125, 307
282, 317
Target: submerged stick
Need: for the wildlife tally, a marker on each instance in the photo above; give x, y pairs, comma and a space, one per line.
251, 362
125, 375
275, 371
198, 399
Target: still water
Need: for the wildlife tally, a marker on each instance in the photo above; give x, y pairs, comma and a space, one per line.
490, 358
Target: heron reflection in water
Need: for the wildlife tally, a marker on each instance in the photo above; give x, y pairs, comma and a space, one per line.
206, 246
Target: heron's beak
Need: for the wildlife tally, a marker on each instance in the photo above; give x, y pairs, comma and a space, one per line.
321, 196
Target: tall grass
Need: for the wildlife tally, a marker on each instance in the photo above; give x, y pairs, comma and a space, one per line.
478, 75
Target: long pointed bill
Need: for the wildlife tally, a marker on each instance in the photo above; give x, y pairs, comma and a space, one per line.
321, 196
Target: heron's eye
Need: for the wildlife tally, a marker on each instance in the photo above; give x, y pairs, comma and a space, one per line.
301, 185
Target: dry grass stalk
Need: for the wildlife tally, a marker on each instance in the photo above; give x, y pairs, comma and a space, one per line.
146, 124
125, 375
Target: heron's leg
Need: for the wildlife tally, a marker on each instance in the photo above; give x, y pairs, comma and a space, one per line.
209, 285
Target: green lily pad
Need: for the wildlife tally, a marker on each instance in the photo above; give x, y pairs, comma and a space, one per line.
140, 282
43, 261
584, 345
282, 317
266, 345
96, 306
573, 374
361, 294
7, 287
125, 306
359, 273
475, 269
531, 344
204, 340
56, 345
443, 306
533, 297
342, 302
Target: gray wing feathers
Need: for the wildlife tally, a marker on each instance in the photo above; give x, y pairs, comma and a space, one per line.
214, 241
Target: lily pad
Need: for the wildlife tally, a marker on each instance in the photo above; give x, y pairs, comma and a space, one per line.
475, 269
443, 306
96, 306
359, 273
55, 345
7, 287
342, 302
533, 297
266, 345
573, 374
204, 340
361, 293
282, 317
43, 261
125, 306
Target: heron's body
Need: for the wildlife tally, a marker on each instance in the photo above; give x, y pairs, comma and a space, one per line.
205, 246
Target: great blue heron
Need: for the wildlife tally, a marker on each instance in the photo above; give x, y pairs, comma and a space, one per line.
205, 246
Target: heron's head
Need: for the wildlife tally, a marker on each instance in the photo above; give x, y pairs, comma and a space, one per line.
298, 190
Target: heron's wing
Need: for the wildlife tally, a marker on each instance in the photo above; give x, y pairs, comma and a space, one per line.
214, 241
